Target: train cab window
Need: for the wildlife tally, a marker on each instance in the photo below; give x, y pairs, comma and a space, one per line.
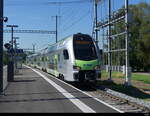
66, 55
84, 48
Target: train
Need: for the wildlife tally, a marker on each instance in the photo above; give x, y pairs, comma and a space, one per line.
75, 58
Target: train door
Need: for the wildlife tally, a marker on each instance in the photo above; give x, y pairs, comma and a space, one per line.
66, 65
60, 63
56, 65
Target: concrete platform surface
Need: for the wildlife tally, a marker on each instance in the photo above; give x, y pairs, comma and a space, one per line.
34, 91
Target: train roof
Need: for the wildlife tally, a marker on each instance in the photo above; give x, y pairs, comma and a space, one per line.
36, 54
60, 43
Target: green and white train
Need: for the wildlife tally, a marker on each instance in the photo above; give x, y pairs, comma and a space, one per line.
73, 59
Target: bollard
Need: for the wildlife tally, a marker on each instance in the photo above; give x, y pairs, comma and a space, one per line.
107, 68
124, 69
10, 69
128, 79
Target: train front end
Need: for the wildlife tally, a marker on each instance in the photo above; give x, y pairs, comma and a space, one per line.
87, 64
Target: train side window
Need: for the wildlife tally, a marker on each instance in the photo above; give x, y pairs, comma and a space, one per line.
59, 57
66, 55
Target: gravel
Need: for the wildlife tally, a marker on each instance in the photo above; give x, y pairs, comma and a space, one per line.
129, 98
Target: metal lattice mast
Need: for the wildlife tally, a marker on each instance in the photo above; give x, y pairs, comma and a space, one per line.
109, 42
115, 38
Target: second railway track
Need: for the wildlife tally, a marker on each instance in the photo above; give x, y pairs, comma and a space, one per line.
115, 101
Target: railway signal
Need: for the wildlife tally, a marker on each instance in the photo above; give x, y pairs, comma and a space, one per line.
7, 46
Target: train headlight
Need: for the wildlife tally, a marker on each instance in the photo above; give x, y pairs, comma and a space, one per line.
76, 68
98, 67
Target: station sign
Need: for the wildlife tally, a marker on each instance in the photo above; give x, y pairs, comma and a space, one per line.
18, 51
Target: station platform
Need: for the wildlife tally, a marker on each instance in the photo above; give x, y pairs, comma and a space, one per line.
34, 91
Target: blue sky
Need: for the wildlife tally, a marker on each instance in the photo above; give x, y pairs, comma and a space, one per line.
37, 15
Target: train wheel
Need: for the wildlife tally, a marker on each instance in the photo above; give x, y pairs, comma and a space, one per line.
45, 70
61, 77
94, 84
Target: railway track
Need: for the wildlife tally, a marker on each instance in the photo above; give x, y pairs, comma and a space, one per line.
115, 101
118, 102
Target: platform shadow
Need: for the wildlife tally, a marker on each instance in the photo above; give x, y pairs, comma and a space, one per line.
23, 80
41, 99
82, 86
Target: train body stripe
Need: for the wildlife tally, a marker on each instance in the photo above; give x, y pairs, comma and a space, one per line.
86, 65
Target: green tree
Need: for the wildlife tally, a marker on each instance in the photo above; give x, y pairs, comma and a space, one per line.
139, 42
140, 36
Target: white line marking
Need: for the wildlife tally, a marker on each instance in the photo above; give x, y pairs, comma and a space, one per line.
83, 107
92, 97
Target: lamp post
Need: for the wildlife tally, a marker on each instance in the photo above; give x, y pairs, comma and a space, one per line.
11, 61
33, 48
15, 50
96, 26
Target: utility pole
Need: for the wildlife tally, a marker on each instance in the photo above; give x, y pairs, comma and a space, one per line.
109, 43
11, 60
128, 70
15, 59
12, 32
56, 27
1, 45
96, 26
33, 48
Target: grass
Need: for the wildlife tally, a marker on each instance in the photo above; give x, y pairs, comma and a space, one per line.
141, 77
137, 77
131, 90
140, 84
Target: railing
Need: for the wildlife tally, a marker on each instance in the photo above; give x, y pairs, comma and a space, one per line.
115, 68
5, 82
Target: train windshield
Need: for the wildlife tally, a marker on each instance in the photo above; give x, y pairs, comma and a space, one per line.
84, 48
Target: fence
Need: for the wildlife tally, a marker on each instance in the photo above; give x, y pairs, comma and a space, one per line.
116, 68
